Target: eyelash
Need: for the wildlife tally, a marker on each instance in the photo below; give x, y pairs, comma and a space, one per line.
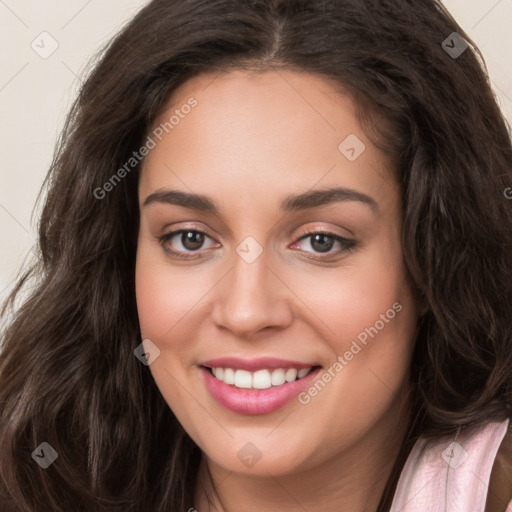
347, 244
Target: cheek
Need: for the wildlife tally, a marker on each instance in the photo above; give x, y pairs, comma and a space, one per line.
371, 318
165, 298
371, 352
353, 297
165, 302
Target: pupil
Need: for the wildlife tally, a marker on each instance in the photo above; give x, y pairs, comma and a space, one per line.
322, 247
189, 240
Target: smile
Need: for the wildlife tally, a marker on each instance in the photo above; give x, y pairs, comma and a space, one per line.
261, 379
258, 386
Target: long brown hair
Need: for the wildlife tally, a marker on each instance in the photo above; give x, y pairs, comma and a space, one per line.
68, 375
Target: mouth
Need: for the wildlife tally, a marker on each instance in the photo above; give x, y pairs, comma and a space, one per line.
260, 379
256, 386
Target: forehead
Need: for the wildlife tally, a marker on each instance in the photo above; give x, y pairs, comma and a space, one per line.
261, 134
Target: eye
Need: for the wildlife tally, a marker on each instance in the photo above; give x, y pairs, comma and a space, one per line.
183, 242
323, 242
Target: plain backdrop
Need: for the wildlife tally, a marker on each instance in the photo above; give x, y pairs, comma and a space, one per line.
36, 90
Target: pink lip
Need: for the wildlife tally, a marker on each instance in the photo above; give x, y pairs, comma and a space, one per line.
252, 365
255, 401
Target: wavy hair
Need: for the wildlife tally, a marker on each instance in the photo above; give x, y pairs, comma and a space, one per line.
68, 375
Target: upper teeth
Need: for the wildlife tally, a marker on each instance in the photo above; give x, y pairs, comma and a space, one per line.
261, 379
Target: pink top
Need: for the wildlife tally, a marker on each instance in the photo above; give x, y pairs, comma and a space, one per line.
450, 475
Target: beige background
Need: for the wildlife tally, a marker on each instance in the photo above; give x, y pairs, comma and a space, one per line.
35, 93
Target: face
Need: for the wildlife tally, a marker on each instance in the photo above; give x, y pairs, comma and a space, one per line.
282, 314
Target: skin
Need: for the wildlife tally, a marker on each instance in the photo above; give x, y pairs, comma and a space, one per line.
252, 140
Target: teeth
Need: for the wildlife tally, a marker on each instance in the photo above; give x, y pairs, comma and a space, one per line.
278, 377
261, 379
229, 376
243, 379
290, 375
300, 373
219, 373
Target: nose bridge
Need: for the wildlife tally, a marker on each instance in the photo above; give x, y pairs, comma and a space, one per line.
252, 297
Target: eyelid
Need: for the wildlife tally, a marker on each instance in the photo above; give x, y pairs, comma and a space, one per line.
347, 244
166, 237
320, 231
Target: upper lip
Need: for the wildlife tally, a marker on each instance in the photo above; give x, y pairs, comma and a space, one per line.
252, 365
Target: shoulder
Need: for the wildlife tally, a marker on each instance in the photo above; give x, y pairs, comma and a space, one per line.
500, 483
438, 469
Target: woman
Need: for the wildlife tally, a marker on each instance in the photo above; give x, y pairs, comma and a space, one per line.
275, 271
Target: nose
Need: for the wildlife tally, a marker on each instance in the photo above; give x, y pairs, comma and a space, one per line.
251, 298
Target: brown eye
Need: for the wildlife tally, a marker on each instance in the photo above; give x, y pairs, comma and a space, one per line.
183, 242
192, 240
323, 243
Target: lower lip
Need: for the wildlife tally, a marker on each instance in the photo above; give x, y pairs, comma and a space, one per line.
255, 401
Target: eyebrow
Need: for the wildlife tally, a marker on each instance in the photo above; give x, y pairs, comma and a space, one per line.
311, 199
